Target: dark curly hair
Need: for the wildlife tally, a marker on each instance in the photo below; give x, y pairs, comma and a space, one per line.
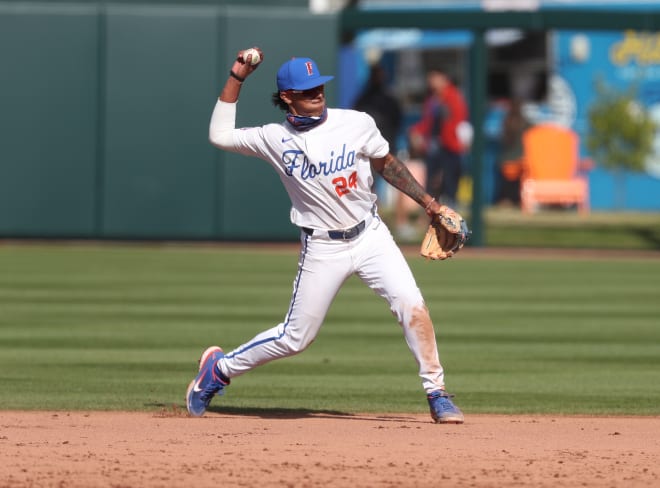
278, 102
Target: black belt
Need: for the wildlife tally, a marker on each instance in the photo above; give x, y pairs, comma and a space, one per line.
346, 234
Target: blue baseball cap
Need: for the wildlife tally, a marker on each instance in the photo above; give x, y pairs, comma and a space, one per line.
300, 74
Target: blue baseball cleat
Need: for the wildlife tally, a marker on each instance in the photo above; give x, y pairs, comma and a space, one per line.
443, 410
208, 383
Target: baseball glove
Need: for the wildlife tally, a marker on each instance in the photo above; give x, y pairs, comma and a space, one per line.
446, 235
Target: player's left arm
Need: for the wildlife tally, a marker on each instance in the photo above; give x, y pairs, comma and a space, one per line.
397, 174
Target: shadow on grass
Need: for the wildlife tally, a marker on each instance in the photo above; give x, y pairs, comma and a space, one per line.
651, 236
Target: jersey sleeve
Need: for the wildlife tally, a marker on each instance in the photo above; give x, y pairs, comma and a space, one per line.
249, 141
375, 145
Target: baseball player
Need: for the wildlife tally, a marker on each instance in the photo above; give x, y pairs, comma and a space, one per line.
324, 157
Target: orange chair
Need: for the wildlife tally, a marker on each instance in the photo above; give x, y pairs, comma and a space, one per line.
551, 169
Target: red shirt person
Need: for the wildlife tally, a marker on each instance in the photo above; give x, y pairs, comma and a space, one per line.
439, 135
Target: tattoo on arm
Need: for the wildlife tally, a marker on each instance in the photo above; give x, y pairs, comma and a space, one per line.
397, 174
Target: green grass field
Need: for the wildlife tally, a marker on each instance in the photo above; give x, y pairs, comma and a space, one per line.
120, 327
509, 227
569, 229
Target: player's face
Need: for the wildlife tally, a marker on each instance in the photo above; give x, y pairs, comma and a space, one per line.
308, 103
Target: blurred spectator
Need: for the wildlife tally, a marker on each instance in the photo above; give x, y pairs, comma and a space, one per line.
442, 135
514, 126
407, 213
381, 105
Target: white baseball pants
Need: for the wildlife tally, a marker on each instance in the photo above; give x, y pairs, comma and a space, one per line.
323, 267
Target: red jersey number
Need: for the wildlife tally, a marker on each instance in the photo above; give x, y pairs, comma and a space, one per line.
343, 185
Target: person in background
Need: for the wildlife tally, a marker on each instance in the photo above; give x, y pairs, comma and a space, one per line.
408, 216
384, 108
514, 126
440, 135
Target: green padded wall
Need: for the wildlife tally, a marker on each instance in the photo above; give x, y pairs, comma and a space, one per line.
48, 120
253, 200
105, 111
159, 169
270, 3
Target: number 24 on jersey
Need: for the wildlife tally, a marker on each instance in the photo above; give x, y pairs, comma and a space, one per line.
343, 186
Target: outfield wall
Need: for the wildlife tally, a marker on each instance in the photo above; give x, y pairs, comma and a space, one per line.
104, 119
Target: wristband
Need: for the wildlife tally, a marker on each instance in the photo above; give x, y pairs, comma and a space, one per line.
235, 76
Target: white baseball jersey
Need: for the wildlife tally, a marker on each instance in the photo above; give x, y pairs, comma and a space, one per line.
327, 174
325, 170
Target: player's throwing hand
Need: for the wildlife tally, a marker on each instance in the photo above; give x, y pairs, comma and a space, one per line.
246, 62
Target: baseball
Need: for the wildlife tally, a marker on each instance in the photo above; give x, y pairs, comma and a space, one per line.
255, 55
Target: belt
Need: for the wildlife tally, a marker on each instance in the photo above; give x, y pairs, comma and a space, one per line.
345, 234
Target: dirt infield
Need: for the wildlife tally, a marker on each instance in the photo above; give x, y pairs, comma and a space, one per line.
169, 449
